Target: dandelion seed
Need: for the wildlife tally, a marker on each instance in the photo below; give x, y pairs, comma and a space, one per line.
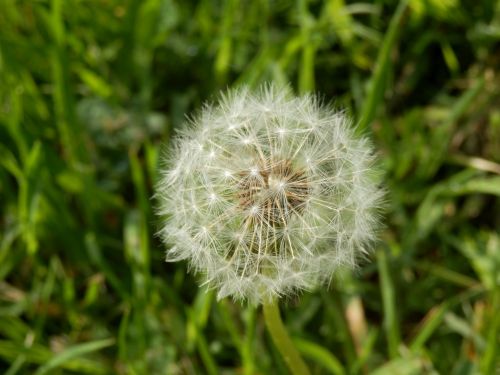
284, 197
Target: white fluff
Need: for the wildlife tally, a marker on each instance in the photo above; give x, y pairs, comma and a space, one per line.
267, 194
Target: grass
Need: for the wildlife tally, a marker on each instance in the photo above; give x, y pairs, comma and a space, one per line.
89, 93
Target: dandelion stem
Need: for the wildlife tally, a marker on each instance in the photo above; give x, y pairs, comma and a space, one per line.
282, 340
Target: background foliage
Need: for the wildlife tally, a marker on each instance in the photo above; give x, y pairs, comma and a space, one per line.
89, 90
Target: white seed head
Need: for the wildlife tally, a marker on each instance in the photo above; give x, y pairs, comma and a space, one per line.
267, 194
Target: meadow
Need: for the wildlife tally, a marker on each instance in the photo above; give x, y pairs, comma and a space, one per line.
91, 92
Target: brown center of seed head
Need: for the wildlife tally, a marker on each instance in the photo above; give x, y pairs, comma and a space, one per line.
273, 191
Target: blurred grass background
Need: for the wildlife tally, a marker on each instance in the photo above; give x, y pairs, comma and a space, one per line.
90, 90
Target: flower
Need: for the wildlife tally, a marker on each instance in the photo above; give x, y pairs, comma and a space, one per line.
267, 194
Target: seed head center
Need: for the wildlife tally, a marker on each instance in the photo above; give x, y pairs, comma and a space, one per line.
272, 191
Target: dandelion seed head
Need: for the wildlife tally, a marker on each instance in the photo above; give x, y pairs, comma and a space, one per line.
267, 194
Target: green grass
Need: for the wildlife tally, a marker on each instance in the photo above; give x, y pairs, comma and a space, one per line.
91, 90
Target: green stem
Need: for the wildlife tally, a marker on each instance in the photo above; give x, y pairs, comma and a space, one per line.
282, 340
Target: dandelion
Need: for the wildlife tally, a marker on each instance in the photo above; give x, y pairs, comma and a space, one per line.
267, 194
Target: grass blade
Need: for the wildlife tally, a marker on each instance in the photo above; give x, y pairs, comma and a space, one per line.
391, 325
377, 83
320, 355
73, 352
